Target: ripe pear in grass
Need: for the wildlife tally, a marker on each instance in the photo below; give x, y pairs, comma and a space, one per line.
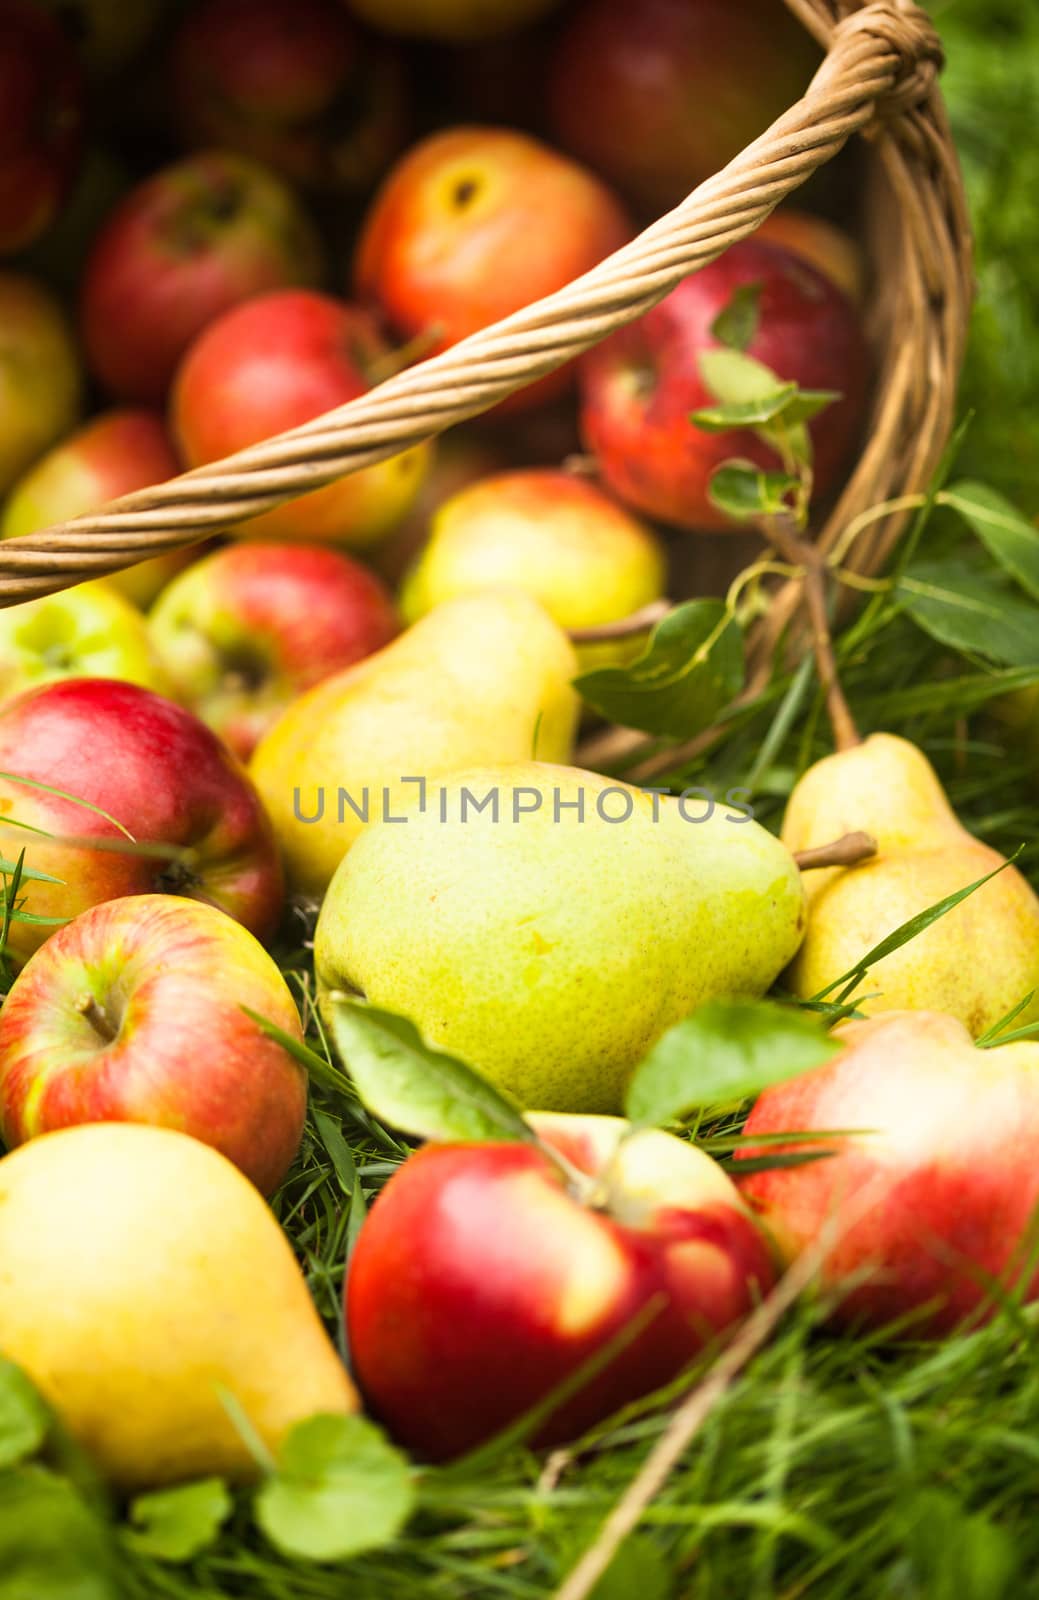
977, 961
482, 678
551, 946
140, 1275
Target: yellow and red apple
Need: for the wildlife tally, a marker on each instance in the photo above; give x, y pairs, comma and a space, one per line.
41, 379
133, 1012
112, 455
481, 1281
250, 627
930, 1182
88, 631
474, 223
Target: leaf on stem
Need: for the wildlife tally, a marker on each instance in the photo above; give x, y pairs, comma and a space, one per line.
691, 668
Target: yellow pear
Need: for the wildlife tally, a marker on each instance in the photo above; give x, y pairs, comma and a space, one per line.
140, 1275
483, 678
974, 963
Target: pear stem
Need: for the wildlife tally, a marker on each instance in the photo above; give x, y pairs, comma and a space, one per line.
846, 851
624, 627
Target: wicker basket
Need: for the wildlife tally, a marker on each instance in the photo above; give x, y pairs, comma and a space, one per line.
878, 80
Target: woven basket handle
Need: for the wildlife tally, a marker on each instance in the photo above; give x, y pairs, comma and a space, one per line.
882, 60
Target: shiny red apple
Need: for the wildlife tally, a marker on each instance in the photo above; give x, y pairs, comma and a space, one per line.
474, 223
182, 247
133, 1012
277, 362
41, 122
293, 83
480, 1281
247, 629
641, 385
133, 795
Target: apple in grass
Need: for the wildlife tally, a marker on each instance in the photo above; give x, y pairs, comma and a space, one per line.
40, 375
112, 455
250, 627
41, 122
192, 240
88, 631
148, 800
274, 363
942, 1173
481, 1280
640, 387
293, 83
586, 559
474, 223
659, 106
133, 1012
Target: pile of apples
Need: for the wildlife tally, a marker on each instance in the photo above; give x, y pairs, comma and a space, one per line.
220, 219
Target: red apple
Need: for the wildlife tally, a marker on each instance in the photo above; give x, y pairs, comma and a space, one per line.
293, 83
659, 104
246, 630
480, 1281
40, 375
476, 222
112, 455
41, 122
943, 1171
133, 1012
273, 364
184, 246
155, 776
640, 386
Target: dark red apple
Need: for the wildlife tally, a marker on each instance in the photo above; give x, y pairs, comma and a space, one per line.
480, 1282
641, 385
660, 98
131, 770
293, 83
184, 246
41, 122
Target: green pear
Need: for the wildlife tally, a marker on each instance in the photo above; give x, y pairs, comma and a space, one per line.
486, 677
141, 1277
550, 946
974, 963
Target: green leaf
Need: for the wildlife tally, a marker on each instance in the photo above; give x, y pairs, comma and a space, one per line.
735, 379
970, 611
340, 1488
752, 413
726, 1051
52, 1547
178, 1524
1007, 535
737, 323
744, 491
691, 668
404, 1082
25, 1418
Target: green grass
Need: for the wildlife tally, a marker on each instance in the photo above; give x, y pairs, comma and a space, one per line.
836, 1467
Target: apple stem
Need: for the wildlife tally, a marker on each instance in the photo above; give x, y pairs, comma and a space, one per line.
405, 355
624, 627
97, 1016
846, 851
